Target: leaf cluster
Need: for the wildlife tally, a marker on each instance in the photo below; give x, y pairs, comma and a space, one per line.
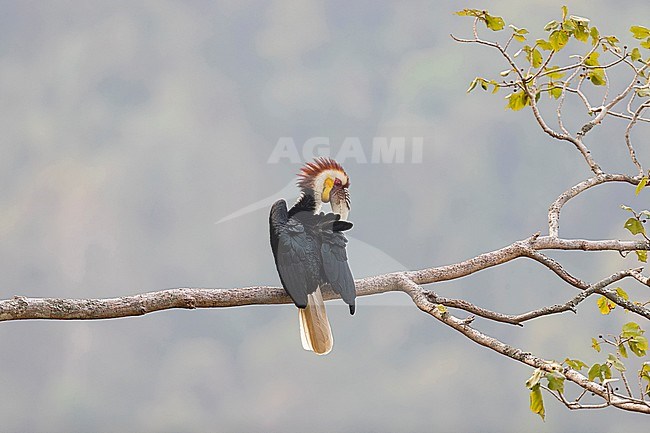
631, 337
538, 75
533, 68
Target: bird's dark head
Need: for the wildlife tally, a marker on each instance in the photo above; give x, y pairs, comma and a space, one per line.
327, 182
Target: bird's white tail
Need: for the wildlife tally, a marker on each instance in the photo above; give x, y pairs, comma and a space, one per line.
315, 332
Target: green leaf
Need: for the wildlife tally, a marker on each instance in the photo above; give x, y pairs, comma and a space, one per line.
494, 23
536, 58
555, 92
592, 59
491, 22
631, 329
635, 54
558, 39
605, 372
640, 32
622, 293
473, 84
517, 100
534, 379
581, 28
615, 362
627, 208
537, 402
638, 345
642, 183
518, 34
575, 364
483, 83
594, 372
552, 25
441, 308
565, 11
464, 13
612, 41
605, 305
544, 44
555, 382
594, 35
645, 44
642, 256
597, 77
569, 27
595, 344
634, 226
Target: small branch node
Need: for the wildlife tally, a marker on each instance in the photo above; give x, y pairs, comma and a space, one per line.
468, 320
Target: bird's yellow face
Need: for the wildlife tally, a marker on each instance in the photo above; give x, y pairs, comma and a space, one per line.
333, 183
327, 189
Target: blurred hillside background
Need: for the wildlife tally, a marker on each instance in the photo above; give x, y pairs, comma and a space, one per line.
130, 128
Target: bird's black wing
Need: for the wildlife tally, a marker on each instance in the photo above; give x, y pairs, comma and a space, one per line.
292, 248
335, 259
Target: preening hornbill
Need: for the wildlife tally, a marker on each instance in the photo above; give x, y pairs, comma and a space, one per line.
309, 248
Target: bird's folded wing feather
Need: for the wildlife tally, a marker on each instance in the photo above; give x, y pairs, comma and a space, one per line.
290, 244
335, 262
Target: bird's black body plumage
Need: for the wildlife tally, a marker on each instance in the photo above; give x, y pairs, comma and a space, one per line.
309, 251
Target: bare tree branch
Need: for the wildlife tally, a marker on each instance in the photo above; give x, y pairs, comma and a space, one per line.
556, 207
22, 308
420, 299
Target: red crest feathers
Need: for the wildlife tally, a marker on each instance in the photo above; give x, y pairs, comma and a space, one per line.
312, 169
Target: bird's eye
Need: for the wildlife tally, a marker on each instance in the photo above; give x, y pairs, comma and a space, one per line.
337, 182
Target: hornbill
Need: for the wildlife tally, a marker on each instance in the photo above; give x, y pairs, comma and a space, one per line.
309, 248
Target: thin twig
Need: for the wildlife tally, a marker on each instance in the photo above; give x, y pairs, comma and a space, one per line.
628, 140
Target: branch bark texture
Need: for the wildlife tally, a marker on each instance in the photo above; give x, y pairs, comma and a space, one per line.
23, 308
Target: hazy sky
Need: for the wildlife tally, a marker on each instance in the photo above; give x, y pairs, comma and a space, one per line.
143, 144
